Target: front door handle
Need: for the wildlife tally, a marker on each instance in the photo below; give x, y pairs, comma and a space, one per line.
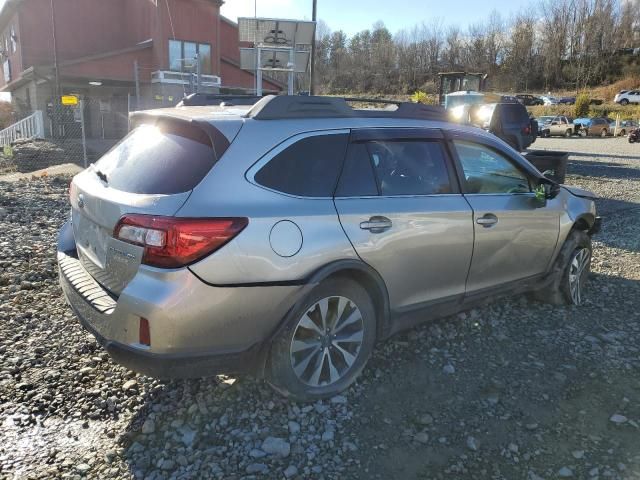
376, 224
488, 220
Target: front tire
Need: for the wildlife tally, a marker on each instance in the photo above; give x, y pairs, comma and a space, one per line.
570, 272
603, 133
624, 101
326, 343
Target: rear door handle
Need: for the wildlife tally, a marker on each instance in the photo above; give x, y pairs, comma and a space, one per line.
488, 220
376, 224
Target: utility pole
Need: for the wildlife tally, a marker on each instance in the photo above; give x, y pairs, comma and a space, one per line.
312, 87
136, 77
56, 68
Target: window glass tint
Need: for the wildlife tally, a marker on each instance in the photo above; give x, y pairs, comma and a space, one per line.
486, 171
409, 167
357, 178
308, 168
512, 114
158, 160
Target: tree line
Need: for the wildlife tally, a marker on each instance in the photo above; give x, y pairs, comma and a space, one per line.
567, 44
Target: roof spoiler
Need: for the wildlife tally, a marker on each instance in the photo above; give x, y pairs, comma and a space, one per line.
219, 141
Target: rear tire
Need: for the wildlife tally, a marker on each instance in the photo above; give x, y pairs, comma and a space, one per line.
568, 133
309, 361
603, 133
570, 272
623, 132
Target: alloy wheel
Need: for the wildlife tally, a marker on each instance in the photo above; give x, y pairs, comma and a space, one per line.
578, 270
326, 341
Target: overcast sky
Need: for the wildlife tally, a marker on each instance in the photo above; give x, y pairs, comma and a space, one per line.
355, 15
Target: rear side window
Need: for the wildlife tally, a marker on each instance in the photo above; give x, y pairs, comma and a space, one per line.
308, 168
158, 159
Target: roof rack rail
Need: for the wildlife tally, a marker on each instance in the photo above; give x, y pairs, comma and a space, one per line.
205, 99
283, 107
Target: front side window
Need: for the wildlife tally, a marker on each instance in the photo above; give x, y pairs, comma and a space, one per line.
409, 167
489, 172
307, 168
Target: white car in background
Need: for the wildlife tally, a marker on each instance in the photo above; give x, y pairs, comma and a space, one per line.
549, 100
625, 97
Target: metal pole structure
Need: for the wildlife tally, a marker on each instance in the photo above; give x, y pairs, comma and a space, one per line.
84, 137
291, 76
312, 71
136, 76
55, 53
255, 45
198, 73
258, 73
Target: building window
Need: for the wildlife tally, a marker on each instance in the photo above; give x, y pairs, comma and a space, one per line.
182, 55
13, 40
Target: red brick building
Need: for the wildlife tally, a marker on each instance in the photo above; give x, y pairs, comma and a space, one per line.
97, 43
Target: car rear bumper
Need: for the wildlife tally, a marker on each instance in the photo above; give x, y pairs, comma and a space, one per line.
195, 329
177, 365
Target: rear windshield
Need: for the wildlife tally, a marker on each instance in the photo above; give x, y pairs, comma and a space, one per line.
158, 159
514, 113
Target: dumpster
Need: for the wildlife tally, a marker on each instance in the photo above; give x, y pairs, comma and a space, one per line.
551, 160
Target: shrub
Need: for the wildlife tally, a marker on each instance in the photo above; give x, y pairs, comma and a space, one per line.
422, 97
581, 108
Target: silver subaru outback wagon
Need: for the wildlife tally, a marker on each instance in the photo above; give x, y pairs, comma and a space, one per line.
285, 239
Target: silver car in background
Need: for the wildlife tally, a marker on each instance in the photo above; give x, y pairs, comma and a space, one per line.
287, 239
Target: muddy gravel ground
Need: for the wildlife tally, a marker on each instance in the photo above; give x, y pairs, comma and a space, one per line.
513, 390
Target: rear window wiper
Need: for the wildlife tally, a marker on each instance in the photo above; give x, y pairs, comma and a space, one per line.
102, 176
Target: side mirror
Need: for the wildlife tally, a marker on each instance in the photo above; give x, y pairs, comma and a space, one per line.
554, 123
545, 191
551, 190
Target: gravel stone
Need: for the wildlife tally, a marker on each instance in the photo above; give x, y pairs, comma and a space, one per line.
276, 446
565, 472
291, 471
617, 418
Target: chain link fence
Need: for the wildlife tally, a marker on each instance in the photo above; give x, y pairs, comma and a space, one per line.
77, 129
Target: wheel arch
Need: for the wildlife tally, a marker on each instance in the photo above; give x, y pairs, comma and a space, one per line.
352, 269
369, 279
583, 222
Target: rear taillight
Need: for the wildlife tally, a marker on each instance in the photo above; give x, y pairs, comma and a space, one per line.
171, 242
526, 130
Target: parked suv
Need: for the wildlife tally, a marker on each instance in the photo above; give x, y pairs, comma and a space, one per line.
508, 121
557, 126
287, 239
625, 97
598, 126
